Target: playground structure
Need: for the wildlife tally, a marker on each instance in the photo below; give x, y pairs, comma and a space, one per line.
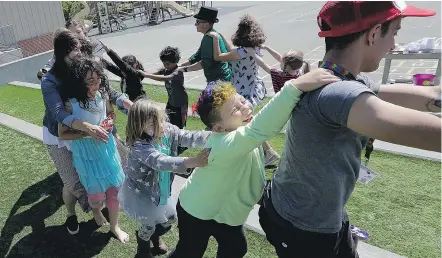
116, 16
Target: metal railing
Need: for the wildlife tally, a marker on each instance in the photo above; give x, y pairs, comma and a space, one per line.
124, 15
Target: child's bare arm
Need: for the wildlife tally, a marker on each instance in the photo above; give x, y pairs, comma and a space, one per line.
262, 64
229, 45
157, 77
274, 53
217, 55
66, 133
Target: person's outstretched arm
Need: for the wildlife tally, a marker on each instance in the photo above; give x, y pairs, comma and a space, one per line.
189, 139
425, 99
263, 64
274, 53
274, 115
232, 55
123, 66
374, 117
147, 154
157, 77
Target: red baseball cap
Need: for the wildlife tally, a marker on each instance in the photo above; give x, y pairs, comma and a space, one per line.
347, 17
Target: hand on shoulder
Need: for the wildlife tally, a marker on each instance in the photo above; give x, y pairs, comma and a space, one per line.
212, 34
314, 80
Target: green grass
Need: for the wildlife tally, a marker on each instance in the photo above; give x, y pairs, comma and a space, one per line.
400, 209
159, 93
31, 211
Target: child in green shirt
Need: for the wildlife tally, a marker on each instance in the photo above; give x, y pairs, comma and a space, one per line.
216, 200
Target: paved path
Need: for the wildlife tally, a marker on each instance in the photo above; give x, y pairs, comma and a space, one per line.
288, 25
252, 223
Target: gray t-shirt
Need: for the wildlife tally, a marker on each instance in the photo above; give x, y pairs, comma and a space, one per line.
320, 165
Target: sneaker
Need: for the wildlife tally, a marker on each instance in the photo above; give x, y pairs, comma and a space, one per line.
72, 225
270, 156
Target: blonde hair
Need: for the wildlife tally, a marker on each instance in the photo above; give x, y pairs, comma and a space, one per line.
140, 114
295, 60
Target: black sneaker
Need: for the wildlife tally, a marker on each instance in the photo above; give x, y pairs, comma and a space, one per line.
72, 225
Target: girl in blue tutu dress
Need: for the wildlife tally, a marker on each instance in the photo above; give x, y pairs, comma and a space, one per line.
98, 164
152, 162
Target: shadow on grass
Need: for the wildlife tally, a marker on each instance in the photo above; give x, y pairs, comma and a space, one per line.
54, 241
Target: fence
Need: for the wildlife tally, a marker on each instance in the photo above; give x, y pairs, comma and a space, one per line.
116, 16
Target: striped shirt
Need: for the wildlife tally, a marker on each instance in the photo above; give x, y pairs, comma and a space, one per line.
279, 78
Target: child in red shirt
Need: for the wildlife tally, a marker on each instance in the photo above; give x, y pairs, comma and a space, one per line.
291, 64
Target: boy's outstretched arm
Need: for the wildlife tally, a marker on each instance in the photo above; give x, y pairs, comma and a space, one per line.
425, 99
157, 77
371, 116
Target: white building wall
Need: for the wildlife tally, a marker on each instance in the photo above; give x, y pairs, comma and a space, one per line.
31, 19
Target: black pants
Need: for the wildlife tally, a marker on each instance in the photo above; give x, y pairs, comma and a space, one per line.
194, 236
292, 242
177, 115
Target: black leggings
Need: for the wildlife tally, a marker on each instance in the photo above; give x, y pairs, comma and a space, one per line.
194, 236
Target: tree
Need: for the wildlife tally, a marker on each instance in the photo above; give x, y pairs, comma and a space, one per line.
71, 8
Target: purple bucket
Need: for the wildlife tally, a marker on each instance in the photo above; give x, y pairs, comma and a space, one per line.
423, 79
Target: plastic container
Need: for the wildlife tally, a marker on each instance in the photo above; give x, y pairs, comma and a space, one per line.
424, 79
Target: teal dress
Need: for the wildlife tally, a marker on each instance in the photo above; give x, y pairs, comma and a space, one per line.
98, 164
164, 177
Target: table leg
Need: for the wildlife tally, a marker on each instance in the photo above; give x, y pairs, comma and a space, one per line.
387, 65
437, 79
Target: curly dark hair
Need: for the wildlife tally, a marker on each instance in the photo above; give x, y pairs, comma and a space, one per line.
86, 47
76, 86
249, 33
170, 54
131, 60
